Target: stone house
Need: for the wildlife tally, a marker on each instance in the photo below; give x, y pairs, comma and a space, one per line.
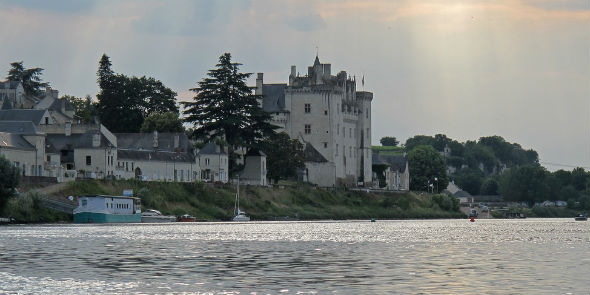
254, 172
396, 172
327, 113
213, 162
11, 95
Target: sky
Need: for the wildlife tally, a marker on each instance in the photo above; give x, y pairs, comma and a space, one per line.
467, 69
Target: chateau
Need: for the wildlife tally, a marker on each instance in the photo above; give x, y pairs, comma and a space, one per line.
330, 117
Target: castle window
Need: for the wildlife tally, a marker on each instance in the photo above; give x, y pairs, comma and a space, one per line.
307, 108
367, 112
326, 112
336, 149
325, 145
88, 160
307, 129
337, 129
344, 131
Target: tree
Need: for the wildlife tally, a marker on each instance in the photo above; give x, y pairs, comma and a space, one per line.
224, 106
426, 164
469, 179
525, 184
9, 179
418, 140
284, 156
389, 141
166, 122
84, 109
124, 102
489, 187
30, 78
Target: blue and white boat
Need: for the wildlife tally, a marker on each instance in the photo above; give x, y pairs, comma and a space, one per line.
107, 209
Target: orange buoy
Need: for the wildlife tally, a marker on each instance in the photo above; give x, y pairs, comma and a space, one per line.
472, 219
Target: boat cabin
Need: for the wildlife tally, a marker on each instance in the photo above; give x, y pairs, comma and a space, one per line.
109, 204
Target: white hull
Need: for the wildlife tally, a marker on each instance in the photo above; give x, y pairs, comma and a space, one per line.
241, 217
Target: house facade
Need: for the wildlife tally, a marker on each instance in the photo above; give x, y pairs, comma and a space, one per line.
396, 172
213, 162
156, 157
325, 112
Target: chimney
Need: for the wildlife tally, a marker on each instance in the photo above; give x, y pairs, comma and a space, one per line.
293, 74
176, 141
259, 82
155, 140
217, 148
68, 128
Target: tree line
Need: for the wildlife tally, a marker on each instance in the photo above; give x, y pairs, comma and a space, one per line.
492, 166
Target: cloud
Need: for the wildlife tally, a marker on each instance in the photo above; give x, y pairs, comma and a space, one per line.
63, 6
307, 23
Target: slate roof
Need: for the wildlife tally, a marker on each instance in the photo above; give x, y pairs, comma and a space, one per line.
56, 105
145, 141
310, 154
34, 116
273, 99
395, 162
211, 149
18, 127
147, 155
12, 140
57, 142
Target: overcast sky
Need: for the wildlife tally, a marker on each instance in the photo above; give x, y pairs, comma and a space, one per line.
517, 69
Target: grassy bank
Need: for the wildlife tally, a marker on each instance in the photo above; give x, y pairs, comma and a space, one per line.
261, 203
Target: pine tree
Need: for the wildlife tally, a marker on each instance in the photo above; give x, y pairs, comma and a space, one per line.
224, 106
30, 78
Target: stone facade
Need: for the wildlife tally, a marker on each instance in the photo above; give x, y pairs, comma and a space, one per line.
328, 113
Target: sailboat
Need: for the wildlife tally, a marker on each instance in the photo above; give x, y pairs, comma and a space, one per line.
239, 214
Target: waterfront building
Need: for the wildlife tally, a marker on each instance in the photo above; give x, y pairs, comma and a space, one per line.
330, 117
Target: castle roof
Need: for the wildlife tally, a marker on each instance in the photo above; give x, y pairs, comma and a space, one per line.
317, 60
273, 99
57, 142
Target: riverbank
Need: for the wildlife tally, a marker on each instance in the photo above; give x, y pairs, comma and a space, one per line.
216, 202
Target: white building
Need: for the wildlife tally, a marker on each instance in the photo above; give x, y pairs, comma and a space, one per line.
156, 157
328, 114
396, 172
213, 161
11, 95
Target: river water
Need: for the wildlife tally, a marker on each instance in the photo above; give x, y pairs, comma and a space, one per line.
529, 256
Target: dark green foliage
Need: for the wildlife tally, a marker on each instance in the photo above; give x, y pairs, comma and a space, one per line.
28, 208
389, 141
84, 108
166, 122
9, 179
417, 140
124, 102
580, 178
526, 183
224, 106
30, 78
469, 179
489, 187
284, 156
446, 202
425, 165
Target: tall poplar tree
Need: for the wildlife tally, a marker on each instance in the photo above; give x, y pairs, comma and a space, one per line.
224, 106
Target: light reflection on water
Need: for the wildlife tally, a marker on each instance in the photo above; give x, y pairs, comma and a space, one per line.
531, 256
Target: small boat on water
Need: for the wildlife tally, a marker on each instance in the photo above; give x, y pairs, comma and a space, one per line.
239, 214
154, 216
187, 218
107, 209
581, 217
